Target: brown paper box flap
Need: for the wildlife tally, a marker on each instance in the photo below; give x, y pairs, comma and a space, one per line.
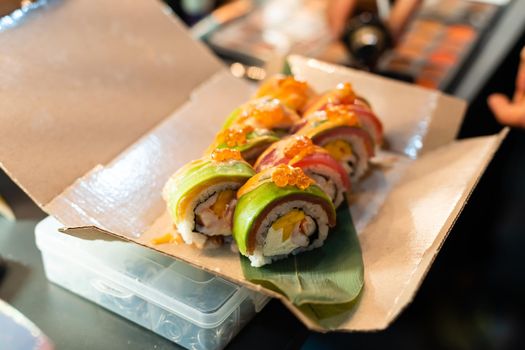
94, 75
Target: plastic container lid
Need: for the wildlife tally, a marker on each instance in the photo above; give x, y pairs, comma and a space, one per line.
193, 294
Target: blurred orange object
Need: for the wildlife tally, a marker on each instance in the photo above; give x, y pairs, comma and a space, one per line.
444, 58
461, 33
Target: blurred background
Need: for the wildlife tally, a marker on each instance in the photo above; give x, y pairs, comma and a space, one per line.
473, 296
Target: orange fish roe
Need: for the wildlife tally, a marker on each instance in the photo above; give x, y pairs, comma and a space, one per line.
235, 136
267, 113
298, 89
294, 92
301, 146
290, 84
225, 154
285, 175
341, 114
343, 94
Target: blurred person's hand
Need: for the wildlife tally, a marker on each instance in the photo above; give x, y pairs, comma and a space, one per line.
509, 112
338, 12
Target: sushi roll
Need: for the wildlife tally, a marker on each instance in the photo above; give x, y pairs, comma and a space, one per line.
343, 94
264, 113
299, 151
249, 141
280, 211
339, 131
201, 197
294, 93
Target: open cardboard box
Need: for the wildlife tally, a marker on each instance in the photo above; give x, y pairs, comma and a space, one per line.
102, 101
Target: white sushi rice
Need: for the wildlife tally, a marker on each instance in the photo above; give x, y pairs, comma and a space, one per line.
357, 164
314, 211
328, 180
204, 200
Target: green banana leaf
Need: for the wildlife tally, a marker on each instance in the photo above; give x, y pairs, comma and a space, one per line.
324, 283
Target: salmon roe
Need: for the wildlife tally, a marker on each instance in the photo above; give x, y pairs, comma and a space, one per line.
268, 113
296, 92
341, 114
290, 84
285, 175
236, 136
344, 93
300, 146
225, 154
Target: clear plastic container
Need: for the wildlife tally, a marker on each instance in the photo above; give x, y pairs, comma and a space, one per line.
189, 306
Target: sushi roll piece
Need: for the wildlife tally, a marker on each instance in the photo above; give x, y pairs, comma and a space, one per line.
293, 92
249, 141
280, 211
201, 197
343, 94
339, 131
299, 151
264, 113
